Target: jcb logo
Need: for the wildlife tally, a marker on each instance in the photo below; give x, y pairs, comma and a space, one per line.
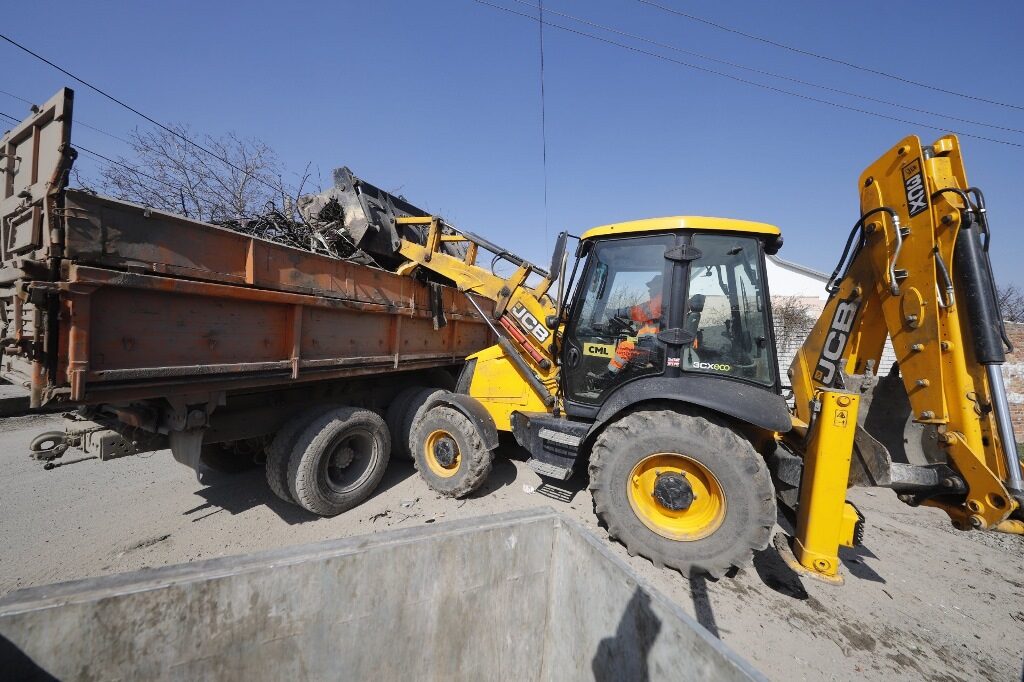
530, 323
835, 343
913, 184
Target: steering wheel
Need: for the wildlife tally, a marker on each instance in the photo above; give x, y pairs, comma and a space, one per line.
619, 325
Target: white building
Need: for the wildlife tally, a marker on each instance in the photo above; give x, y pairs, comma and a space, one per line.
807, 286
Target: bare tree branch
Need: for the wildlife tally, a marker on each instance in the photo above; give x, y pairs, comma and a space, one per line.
247, 194
794, 318
185, 179
1011, 302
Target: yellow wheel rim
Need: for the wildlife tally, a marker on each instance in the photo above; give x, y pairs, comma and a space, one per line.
701, 518
442, 444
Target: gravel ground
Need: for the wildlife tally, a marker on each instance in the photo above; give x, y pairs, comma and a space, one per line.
921, 600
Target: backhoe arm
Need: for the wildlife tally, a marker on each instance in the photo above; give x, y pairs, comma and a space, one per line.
916, 271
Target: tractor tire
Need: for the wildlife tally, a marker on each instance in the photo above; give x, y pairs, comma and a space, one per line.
280, 450
395, 417
413, 409
449, 452
714, 507
338, 460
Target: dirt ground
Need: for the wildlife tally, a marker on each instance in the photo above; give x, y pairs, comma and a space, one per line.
921, 600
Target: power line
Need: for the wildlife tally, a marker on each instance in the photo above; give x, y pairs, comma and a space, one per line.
543, 120
130, 169
20, 99
769, 73
139, 113
103, 132
826, 58
745, 81
127, 167
79, 122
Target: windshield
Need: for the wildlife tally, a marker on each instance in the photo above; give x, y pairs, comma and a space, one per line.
726, 310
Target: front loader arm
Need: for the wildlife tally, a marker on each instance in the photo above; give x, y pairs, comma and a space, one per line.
521, 311
915, 271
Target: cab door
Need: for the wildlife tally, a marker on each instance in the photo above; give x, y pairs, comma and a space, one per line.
622, 303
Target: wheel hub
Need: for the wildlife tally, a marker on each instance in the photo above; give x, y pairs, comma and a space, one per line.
676, 496
343, 456
673, 491
445, 451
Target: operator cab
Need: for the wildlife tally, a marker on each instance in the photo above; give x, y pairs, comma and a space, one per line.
669, 297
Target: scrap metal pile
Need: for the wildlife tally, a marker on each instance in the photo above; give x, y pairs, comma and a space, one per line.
353, 220
319, 231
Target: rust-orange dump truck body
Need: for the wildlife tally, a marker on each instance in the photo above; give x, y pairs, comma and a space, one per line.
154, 324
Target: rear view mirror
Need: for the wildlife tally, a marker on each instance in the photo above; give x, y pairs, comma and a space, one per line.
557, 257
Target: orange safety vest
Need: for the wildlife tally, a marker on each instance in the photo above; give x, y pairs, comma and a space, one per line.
647, 312
649, 316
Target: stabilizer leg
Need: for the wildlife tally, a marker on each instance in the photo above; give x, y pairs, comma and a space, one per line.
825, 520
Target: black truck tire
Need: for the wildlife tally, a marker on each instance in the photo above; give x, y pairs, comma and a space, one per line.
338, 460
280, 450
395, 418
412, 410
732, 509
464, 462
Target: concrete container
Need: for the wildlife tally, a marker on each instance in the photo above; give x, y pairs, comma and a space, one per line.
521, 596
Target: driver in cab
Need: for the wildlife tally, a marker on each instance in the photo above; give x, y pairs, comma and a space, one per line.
636, 348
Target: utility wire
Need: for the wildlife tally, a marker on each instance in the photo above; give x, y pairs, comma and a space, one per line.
77, 121
762, 72
745, 81
826, 58
131, 169
139, 113
543, 120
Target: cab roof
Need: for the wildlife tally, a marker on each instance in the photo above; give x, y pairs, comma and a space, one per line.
681, 222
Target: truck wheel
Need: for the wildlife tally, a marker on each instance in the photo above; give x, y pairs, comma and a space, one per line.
280, 450
682, 491
449, 452
338, 460
395, 417
413, 409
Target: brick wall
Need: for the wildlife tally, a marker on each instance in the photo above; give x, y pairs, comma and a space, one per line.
1013, 375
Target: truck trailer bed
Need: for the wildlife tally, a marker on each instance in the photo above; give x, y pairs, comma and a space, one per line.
104, 301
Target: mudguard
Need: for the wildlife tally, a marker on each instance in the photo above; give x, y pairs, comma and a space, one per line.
756, 406
474, 410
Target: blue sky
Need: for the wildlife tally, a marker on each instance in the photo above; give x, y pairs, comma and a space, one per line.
441, 100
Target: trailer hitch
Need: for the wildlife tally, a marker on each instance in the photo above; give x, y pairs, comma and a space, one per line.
50, 445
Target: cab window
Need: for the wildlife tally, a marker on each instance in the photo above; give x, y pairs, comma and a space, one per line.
727, 311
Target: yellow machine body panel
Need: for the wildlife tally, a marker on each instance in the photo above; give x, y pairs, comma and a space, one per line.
703, 223
498, 385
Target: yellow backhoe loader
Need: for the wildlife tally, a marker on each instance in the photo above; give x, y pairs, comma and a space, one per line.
657, 369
